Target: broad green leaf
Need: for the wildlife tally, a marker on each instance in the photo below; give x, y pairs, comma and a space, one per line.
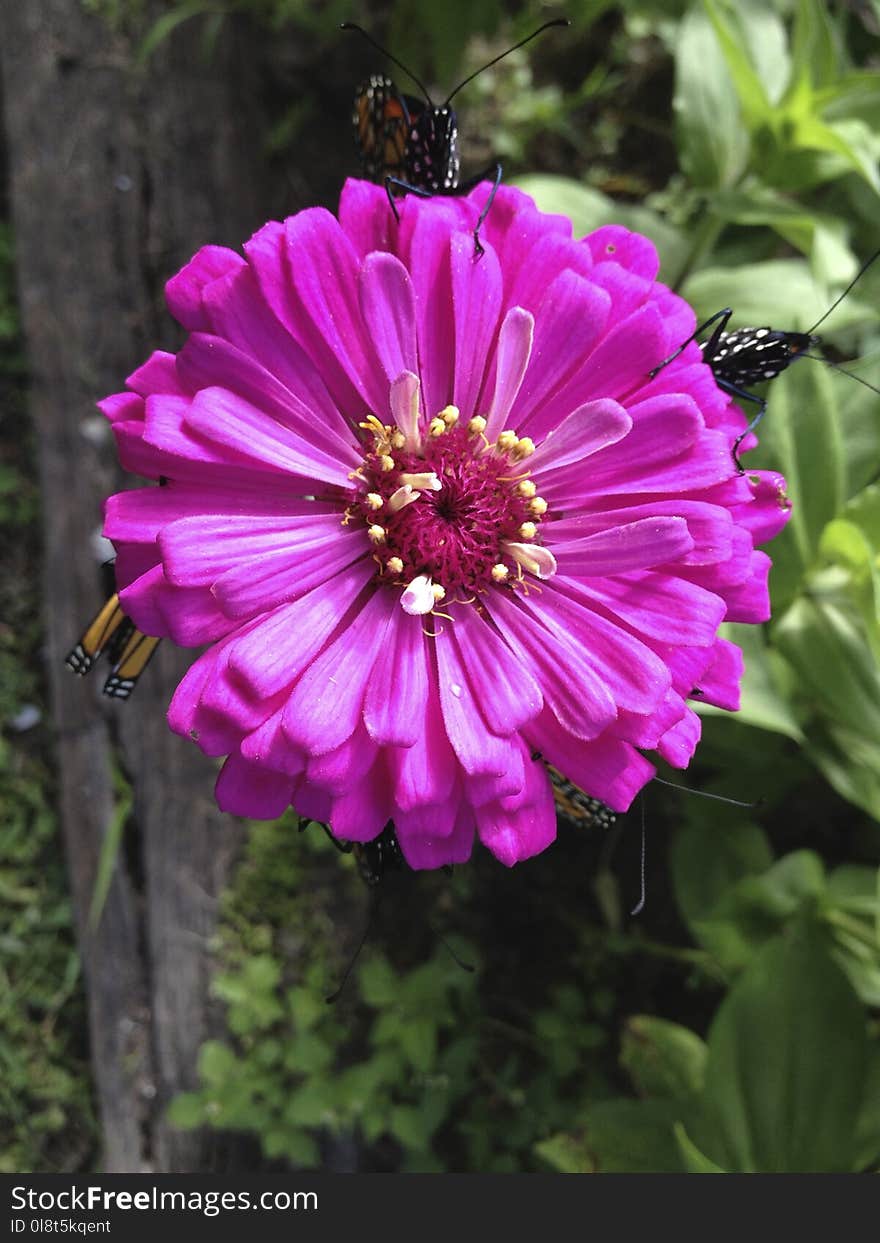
846, 545
859, 413
418, 1040
754, 100
694, 1161
186, 1111
814, 45
567, 1154
787, 1062
713, 146
836, 668
708, 859
308, 1105
217, 1063
800, 436
663, 1059
378, 984
633, 1137
839, 754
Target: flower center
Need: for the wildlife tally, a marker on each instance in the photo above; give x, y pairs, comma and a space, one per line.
448, 513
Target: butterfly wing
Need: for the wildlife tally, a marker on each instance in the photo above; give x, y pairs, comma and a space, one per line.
382, 120
574, 805
129, 650
109, 629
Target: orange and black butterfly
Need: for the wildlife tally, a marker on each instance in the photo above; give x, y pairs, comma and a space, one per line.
113, 634
411, 144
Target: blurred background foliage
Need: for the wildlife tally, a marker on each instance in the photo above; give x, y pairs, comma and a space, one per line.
733, 1025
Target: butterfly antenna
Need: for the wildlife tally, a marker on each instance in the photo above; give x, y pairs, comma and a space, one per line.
718, 798
379, 48
334, 997
858, 276
817, 358
558, 21
640, 905
459, 962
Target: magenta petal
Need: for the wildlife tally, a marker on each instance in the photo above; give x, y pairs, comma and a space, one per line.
719, 684
361, 813
365, 217
478, 750
432, 283
274, 652
326, 704
476, 303
502, 686
247, 789
516, 834
658, 606
388, 308
183, 293
121, 407
588, 429
157, 375
268, 745
397, 691
557, 665
345, 767
422, 852
515, 339
750, 601
287, 574
612, 242
635, 546
606, 768
427, 771
678, 744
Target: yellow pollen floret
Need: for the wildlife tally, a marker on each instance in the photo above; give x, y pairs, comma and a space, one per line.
538, 506
524, 447
438, 592
386, 462
422, 481
398, 440
526, 488
500, 572
528, 530
507, 441
477, 425
436, 427
394, 565
376, 534
449, 415
374, 500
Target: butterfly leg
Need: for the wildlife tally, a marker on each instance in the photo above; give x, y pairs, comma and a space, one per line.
760, 402
494, 171
407, 189
720, 319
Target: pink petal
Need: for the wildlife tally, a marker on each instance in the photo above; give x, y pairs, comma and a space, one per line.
388, 308
585, 431
514, 350
635, 546
183, 293
478, 750
397, 691
632, 251
326, 704
476, 303
340, 770
678, 744
247, 789
609, 770
505, 691
514, 834
423, 853
287, 574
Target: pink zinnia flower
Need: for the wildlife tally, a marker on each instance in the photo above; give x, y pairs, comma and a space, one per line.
435, 521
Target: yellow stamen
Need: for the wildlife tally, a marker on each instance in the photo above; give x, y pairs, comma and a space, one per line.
376, 534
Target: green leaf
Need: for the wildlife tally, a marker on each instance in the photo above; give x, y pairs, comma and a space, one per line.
187, 1111
418, 1040
663, 1059
378, 984
633, 1137
694, 1161
705, 864
787, 1061
567, 1154
868, 1125
217, 1063
309, 1105
814, 47
755, 103
713, 146
780, 292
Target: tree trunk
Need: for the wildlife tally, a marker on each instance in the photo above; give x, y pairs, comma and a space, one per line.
118, 174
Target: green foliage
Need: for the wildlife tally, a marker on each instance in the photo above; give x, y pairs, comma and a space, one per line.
44, 1091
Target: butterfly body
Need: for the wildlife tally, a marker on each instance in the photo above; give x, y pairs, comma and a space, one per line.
750, 356
402, 137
